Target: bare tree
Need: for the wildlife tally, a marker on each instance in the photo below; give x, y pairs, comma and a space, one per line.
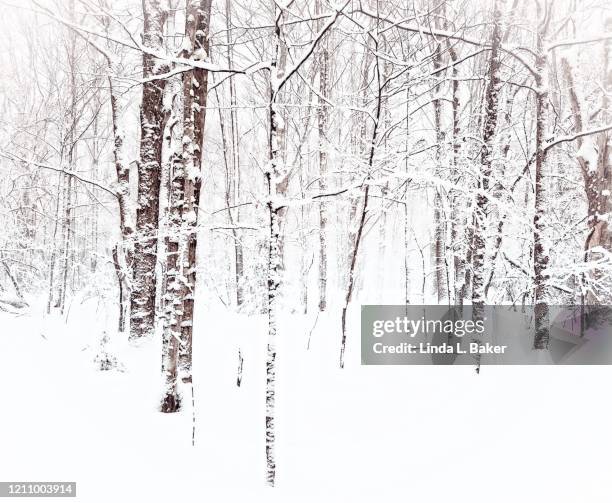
142, 299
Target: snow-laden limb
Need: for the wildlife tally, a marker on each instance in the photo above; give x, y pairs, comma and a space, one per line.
31, 162
135, 44
278, 83
450, 35
553, 142
602, 37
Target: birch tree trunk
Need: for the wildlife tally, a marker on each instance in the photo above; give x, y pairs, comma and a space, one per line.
123, 252
276, 179
174, 284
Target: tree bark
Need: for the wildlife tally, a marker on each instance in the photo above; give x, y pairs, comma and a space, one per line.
174, 270
142, 297
234, 131
597, 182
195, 86
540, 251
439, 248
276, 182
123, 252
486, 167
364, 209
323, 125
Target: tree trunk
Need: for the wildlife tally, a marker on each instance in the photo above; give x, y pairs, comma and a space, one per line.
123, 252
364, 209
323, 125
540, 252
439, 248
486, 165
195, 86
276, 182
174, 270
597, 182
234, 131
455, 197
142, 298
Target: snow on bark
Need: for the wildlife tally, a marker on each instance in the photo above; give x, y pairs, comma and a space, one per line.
486, 166
364, 209
541, 203
195, 88
123, 251
173, 313
323, 125
272, 175
440, 231
593, 156
142, 300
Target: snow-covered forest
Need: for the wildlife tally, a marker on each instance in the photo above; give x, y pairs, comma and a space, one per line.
196, 196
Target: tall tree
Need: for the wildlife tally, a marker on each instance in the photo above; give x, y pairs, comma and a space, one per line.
490, 113
189, 113
142, 296
540, 251
174, 287
195, 88
323, 126
276, 180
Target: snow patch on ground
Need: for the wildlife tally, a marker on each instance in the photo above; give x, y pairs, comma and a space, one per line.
365, 433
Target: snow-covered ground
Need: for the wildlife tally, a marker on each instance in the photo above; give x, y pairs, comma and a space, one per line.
418, 434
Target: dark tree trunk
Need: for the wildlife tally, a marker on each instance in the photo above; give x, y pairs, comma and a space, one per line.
152, 118
195, 86
439, 248
540, 253
354, 251
486, 167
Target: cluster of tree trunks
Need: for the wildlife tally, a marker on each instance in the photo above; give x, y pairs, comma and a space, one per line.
466, 241
189, 110
144, 284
